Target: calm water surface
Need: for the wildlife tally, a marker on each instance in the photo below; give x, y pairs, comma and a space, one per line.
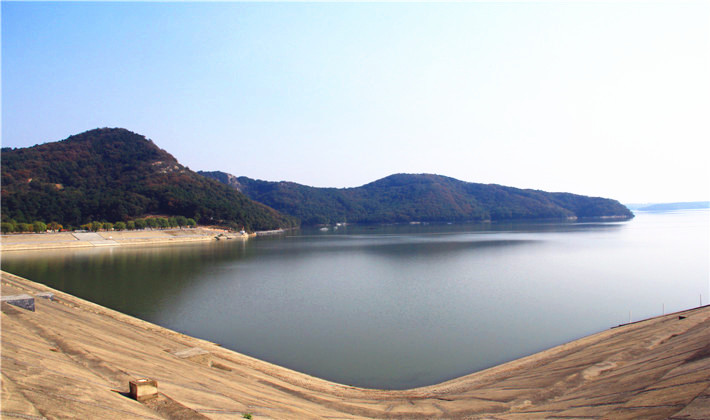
404, 306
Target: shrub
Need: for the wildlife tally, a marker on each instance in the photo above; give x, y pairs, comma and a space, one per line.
54, 226
38, 226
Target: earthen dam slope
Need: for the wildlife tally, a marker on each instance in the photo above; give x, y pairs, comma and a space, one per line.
74, 359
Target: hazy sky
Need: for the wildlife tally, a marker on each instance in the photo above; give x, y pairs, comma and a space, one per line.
608, 99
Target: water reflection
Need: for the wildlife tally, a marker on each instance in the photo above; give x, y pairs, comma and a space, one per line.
397, 306
140, 281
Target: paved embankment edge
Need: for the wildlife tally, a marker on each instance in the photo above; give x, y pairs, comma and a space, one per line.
157, 237
73, 358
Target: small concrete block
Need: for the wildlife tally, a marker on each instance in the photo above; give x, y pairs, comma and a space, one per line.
195, 354
190, 352
22, 301
143, 389
45, 295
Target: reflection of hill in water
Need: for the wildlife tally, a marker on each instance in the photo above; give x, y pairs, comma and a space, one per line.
141, 281
137, 281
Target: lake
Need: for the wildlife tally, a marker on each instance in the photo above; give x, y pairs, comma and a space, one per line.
398, 306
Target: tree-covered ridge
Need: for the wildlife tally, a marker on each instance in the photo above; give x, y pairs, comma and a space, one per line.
112, 174
422, 197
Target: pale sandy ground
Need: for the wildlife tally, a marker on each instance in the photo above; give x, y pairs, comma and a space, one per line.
40, 241
73, 359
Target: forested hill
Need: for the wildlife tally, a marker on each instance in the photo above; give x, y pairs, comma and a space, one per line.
112, 174
421, 197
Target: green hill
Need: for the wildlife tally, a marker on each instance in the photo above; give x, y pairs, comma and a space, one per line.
112, 174
419, 197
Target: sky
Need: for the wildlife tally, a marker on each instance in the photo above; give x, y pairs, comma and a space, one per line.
607, 99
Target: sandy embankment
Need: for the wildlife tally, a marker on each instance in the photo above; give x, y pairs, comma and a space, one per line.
37, 241
73, 359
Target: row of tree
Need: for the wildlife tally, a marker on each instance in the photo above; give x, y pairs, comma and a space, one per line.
37, 226
95, 226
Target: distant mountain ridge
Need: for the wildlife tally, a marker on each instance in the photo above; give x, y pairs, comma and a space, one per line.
419, 197
685, 205
112, 174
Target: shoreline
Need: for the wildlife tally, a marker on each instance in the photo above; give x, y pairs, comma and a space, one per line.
76, 240
73, 358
